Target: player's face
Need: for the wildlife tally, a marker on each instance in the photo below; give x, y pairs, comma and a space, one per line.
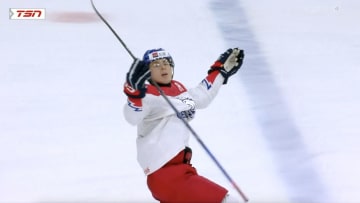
161, 71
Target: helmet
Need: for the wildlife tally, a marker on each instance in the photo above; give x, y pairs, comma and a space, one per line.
155, 54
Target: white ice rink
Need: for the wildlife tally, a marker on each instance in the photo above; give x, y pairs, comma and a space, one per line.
286, 127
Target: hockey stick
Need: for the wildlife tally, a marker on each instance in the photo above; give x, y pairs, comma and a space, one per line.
237, 188
112, 30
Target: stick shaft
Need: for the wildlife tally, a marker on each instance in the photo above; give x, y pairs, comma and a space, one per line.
112, 30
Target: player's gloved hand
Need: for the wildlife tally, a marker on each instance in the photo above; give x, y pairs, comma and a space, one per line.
228, 63
135, 79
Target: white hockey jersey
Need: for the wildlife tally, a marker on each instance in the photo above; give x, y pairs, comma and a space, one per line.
161, 135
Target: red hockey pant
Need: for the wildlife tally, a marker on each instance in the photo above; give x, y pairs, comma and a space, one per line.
178, 182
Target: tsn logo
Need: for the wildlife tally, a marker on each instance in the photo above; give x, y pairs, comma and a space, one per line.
27, 13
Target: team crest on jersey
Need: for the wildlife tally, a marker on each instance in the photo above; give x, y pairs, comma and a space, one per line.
190, 113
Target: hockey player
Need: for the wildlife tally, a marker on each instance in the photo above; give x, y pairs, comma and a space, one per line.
162, 138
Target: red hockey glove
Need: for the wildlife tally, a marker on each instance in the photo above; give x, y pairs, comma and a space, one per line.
135, 79
228, 63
